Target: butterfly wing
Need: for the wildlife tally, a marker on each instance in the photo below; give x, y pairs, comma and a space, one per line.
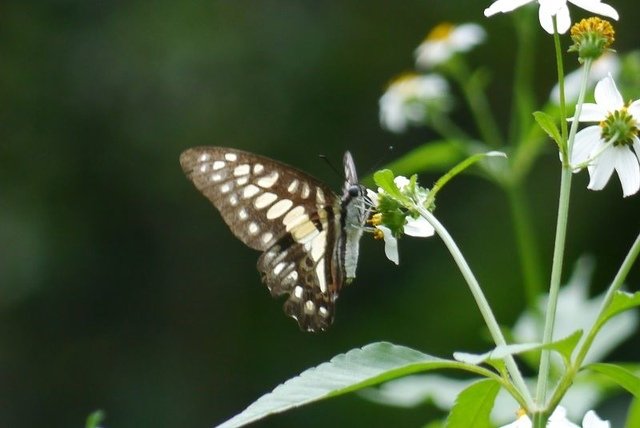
290, 216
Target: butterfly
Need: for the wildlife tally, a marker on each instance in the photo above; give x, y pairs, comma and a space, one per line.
309, 236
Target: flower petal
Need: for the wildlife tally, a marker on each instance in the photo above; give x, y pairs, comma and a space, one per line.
401, 182
634, 110
597, 7
418, 227
591, 420
602, 170
607, 94
558, 419
466, 36
592, 113
587, 142
504, 6
373, 197
390, 245
626, 164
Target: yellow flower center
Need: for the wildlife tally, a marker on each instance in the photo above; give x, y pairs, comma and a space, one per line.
621, 126
440, 32
596, 26
375, 219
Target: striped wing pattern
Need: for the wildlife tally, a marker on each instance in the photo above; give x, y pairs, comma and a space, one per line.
288, 215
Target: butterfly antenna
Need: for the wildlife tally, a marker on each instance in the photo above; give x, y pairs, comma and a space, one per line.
332, 165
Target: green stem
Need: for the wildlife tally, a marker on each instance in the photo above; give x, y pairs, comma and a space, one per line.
527, 244
616, 284
473, 90
483, 304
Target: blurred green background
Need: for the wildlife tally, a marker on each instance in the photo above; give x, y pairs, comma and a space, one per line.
120, 286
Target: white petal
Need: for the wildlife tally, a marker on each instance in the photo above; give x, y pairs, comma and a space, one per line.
546, 20
591, 420
602, 170
587, 142
597, 7
628, 170
558, 419
503, 6
401, 182
522, 422
634, 110
466, 36
592, 113
373, 196
418, 227
390, 245
607, 94
563, 20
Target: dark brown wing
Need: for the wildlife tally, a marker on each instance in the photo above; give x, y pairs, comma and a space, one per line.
284, 212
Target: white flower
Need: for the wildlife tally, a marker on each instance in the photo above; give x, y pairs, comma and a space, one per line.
558, 419
445, 40
608, 145
607, 63
550, 8
409, 98
417, 227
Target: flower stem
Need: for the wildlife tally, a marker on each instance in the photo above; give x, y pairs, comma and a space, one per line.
618, 280
561, 227
481, 300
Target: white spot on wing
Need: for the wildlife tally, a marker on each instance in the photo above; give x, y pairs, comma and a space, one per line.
203, 168
279, 208
293, 186
225, 188
318, 246
218, 165
319, 196
293, 217
258, 168
305, 191
243, 214
322, 281
253, 228
204, 157
268, 180
215, 177
250, 191
242, 181
243, 169
309, 307
278, 268
298, 292
324, 313
231, 157
265, 200
267, 237
233, 200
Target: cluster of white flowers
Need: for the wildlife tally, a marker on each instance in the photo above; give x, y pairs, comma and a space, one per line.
558, 419
550, 9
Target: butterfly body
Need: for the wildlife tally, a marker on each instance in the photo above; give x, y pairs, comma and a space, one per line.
308, 234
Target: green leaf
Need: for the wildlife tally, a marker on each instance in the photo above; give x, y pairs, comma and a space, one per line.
633, 415
434, 156
622, 301
357, 369
549, 126
620, 375
473, 406
95, 419
384, 179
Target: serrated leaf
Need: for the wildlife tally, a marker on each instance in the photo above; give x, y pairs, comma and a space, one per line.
622, 301
618, 374
357, 369
473, 406
549, 126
